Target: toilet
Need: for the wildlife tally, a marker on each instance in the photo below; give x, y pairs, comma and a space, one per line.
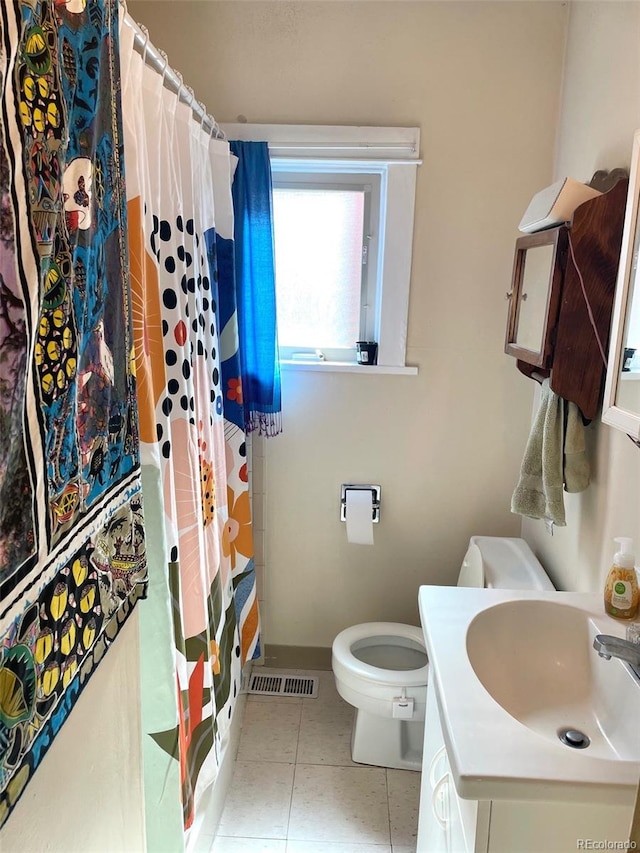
381, 668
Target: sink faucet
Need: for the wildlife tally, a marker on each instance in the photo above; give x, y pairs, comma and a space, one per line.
615, 647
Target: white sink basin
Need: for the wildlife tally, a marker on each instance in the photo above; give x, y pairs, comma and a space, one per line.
513, 669
536, 660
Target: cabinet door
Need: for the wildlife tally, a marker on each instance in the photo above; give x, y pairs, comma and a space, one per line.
446, 823
433, 833
534, 298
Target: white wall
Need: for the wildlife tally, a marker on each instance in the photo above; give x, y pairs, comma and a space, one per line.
482, 80
86, 795
600, 112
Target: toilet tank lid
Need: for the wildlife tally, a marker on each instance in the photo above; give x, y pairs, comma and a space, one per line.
509, 563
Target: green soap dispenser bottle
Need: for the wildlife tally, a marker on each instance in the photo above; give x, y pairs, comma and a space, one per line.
621, 595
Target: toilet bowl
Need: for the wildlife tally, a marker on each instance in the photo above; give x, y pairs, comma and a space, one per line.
381, 668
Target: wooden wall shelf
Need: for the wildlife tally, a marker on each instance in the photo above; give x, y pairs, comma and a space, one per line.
580, 333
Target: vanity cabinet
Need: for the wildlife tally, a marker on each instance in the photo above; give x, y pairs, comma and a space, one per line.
561, 296
450, 824
447, 823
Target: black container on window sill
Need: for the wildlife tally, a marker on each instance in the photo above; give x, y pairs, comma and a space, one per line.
366, 352
629, 353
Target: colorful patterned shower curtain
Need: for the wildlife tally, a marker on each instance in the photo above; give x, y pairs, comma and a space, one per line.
201, 623
72, 549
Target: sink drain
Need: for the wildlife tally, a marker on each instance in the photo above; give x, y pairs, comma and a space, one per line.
574, 738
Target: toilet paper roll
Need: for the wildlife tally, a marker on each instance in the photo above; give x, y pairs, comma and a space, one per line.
359, 514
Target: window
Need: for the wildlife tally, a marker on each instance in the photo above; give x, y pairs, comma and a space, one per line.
326, 242
343, 221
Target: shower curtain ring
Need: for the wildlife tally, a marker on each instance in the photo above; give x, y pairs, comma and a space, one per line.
145, 43
180, 82
204, 116
215, 132
165, 66
191, 94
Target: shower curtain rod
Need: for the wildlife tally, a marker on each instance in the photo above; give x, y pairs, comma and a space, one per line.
158, 61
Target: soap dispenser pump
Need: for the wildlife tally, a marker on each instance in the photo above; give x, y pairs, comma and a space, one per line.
621, 595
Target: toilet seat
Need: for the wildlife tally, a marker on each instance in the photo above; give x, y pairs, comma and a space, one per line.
387, 633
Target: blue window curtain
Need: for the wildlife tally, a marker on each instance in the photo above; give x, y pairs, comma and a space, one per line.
255, 288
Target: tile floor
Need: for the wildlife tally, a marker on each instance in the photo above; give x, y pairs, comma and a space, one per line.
296, 790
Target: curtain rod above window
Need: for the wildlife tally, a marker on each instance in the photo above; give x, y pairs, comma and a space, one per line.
347, 146
158, 61
316, 142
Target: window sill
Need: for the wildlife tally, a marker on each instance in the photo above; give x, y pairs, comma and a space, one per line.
347, 367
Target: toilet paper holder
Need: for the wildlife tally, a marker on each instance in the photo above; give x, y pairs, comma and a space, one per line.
375, 500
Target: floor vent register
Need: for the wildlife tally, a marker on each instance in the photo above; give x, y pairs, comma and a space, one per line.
276, 684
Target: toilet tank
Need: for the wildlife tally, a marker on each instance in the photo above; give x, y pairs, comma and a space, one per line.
503, 563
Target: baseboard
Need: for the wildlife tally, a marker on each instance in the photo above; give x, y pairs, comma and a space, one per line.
297, 657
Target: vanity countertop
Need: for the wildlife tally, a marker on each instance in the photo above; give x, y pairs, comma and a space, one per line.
496, 755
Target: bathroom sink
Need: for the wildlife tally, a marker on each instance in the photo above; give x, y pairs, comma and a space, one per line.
513, 671
536, 660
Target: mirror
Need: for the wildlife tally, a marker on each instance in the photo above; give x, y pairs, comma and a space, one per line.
535, 296
621, 406
533, 299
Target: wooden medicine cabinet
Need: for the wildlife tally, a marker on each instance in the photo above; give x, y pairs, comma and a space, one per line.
561, 296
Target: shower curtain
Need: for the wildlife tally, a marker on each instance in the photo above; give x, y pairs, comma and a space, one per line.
201, 622
72, 536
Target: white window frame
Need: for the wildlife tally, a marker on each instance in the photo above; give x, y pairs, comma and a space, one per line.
392, 153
